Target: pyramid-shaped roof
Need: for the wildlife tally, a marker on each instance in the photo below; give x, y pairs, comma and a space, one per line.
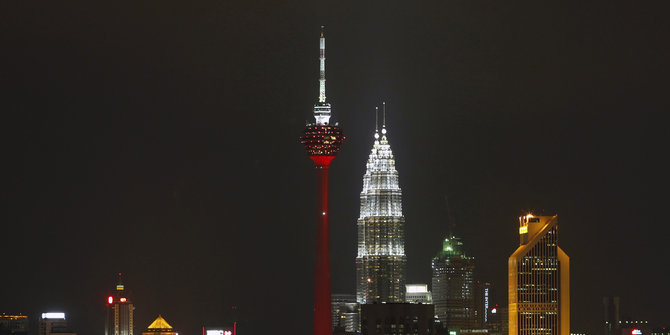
160, 323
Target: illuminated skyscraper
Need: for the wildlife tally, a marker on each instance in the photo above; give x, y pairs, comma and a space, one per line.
454, 286
322, 142
120, 312
539, 280
380, 263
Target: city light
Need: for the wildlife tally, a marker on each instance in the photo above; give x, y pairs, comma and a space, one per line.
53, 316
417, 288
110, 300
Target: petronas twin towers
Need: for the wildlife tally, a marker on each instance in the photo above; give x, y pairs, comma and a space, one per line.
380, 263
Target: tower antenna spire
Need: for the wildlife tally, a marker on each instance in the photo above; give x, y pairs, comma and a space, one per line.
384, 115
322, 67
322, 108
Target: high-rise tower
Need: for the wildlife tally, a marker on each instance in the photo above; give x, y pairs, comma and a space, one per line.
120, 312
454, 286
380, 263
322, 142
539, 280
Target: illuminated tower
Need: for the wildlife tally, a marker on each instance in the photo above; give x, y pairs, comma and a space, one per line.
380, 263
539, 280
119, 312
322, 142
454, 286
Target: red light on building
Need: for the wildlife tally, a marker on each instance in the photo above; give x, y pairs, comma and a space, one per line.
122, 299
110, 300
636, 332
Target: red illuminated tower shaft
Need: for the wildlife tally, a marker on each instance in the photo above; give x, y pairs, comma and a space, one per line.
322, 305
322, 142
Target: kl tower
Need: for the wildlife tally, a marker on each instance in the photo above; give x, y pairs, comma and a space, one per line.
322, 142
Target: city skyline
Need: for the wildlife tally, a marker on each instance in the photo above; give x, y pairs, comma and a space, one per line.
144, 137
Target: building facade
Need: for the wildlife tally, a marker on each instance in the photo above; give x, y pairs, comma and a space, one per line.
418, 294
381, 261
483, 302
454, 287
346, 314
539, 280
120, 312
53, 323
14, 324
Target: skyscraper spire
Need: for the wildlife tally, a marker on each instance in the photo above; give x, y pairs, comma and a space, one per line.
381, 260
376, 123
384, 140
322, 108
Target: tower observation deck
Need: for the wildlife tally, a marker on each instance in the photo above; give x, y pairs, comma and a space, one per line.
322, 142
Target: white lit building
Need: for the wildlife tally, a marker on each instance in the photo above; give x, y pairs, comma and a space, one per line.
380, 263
418, 294
53, 323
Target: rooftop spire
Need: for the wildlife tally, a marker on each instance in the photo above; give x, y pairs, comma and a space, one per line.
384, 122
119, 283
322, 108
376, 122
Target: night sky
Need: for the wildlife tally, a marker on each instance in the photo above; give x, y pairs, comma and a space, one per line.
160, 139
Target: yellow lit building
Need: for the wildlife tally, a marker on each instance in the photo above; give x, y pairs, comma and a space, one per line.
159, 327
539, 280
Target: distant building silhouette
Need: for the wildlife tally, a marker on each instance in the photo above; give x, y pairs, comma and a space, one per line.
397, 318
346, 314
454, 287
53, 323
120, 312
612, 316
14, 325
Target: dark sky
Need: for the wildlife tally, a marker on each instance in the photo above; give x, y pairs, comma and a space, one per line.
160, 139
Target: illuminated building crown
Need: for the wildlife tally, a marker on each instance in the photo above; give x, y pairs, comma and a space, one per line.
380, 263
